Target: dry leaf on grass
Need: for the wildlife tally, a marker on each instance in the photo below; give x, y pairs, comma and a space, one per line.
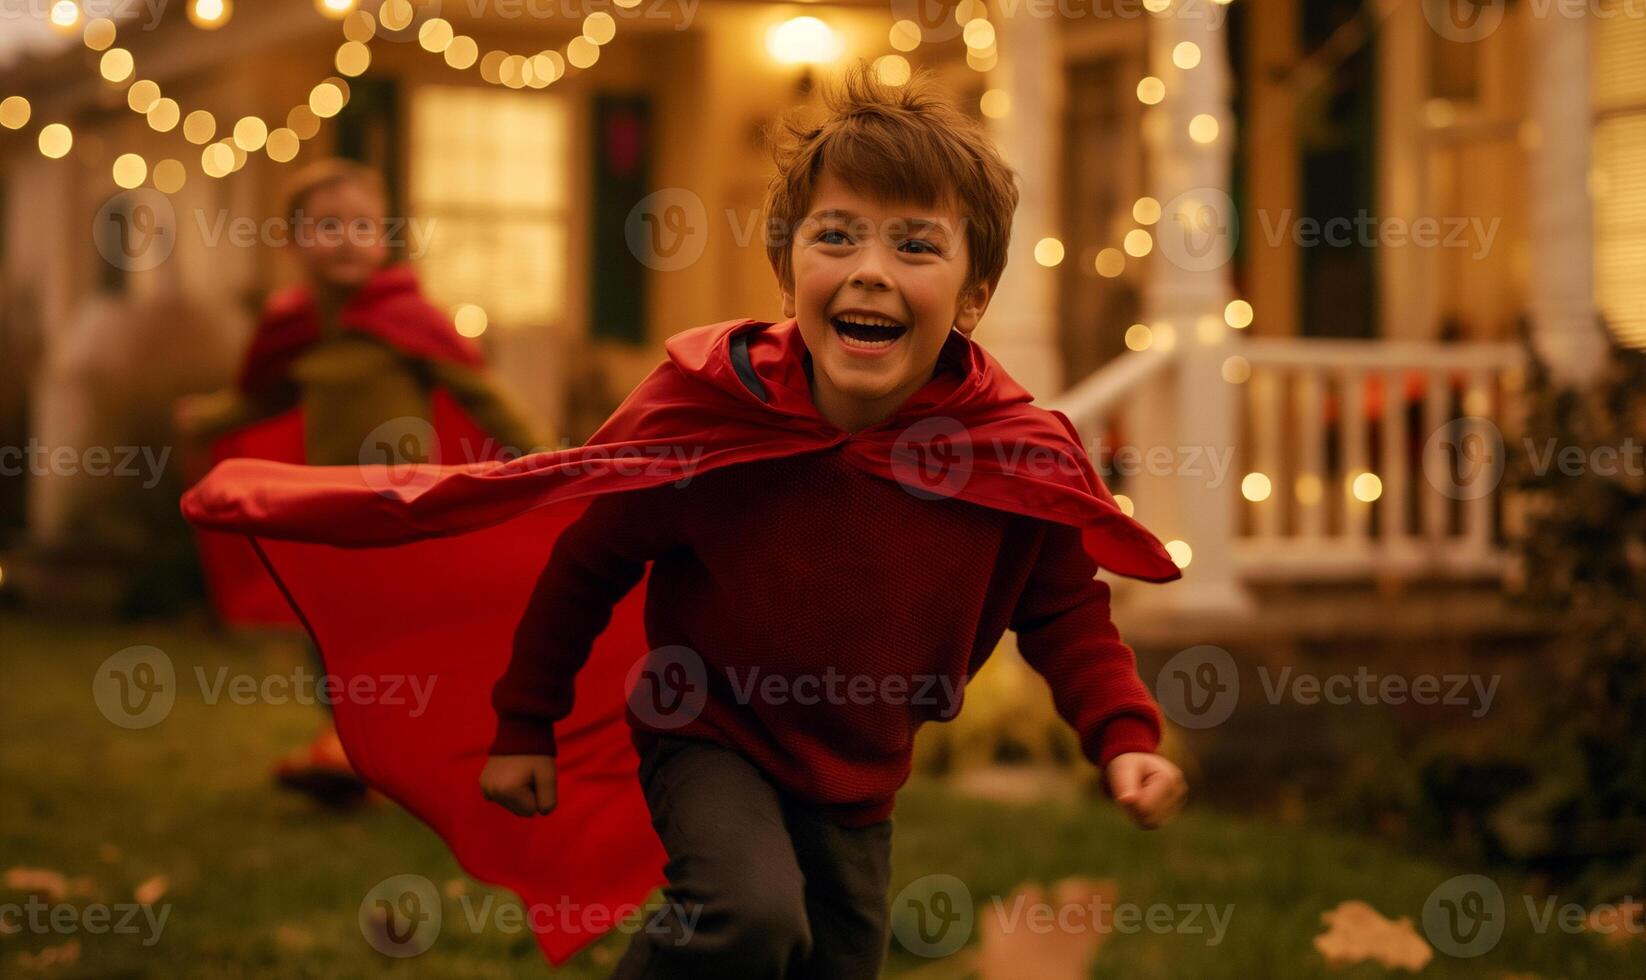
152, 890
1029, 934
51, 956
1356, 933
1620, 923
49, 885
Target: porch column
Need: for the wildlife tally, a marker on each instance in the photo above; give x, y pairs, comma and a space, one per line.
1560, 290
1188, 286
1020, 327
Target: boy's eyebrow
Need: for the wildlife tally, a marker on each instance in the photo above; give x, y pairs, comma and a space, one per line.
914, 224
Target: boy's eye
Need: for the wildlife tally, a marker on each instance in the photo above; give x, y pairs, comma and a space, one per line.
823, 236
923, 245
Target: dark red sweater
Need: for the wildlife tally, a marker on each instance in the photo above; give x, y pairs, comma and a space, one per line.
827, 613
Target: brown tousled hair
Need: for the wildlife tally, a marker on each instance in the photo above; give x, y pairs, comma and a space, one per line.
324, 173
893, 143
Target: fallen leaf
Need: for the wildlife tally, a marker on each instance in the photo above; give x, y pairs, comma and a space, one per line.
1356, 933
1055, 943
1619, 923
51, 956
152, 890
50, 885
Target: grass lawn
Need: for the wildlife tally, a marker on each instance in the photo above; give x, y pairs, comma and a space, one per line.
260, 884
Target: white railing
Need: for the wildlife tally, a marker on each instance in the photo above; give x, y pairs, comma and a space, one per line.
1299, 459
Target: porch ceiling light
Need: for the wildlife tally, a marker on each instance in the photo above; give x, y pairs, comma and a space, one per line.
804, 41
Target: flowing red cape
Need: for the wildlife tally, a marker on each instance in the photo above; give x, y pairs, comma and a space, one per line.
390, 307
421, 573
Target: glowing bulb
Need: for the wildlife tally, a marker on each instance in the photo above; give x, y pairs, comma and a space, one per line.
599, 27
250, 134
1110, 263
1203, 128
199, 127
1139, 337
169, 176
1146, 211
130, 170
892, 69
1180, 551
56, 140
471, 320
1151, 90
803, 41
65, 14
1256, 487
15, 112
905, 35
1366, 487
209, 15
996, 103
1238, 314
1186, 55
1139, 243
116, 65
335, 9
1048, 252
436, 35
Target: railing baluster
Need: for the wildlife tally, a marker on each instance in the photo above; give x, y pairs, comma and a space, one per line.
1435, 506
1477, 513
1396, 473
1309, 488
1266, 452
1357, 513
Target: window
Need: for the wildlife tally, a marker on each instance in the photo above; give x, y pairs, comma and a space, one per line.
489, 182
1619, 87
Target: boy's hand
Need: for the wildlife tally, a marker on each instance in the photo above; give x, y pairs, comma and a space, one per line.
1148, 787
521, 784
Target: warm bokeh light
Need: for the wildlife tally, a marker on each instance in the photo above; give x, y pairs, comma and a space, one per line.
336, 9
462, 53
1203, 128
1186, 55
56, 140
64, 15
130, 170
170, 176
1139, 337
978, 34
210, 14
1256, 487
142, 95
99, 34
803, 41
1048, 252
1236, 369
250, 134
436, 35
1366, 487
1151, 90
1125, 504
116, 65
199, 127
892, 69
599, 27
353, 58
326, 100
217, 160
1138, 243
471, 320
996, 103
1146, 211
1238, 314
302, 121
1109, 263
1180, 551
396, 15
582, 52
905, 35
15, 112
360, 26
163, 115
282, 145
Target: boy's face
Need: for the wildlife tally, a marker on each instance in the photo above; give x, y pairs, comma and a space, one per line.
855, 257
340, 236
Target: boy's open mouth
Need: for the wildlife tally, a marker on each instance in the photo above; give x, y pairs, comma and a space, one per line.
867, 332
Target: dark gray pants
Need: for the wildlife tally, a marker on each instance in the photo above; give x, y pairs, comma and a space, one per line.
760, 886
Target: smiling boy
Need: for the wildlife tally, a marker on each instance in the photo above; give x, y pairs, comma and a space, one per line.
814, 568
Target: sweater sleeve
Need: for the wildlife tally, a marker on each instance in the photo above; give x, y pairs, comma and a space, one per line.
490, 403
595, 562
1065, 633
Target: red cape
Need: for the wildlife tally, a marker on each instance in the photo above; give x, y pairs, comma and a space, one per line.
423, 572
390, 307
